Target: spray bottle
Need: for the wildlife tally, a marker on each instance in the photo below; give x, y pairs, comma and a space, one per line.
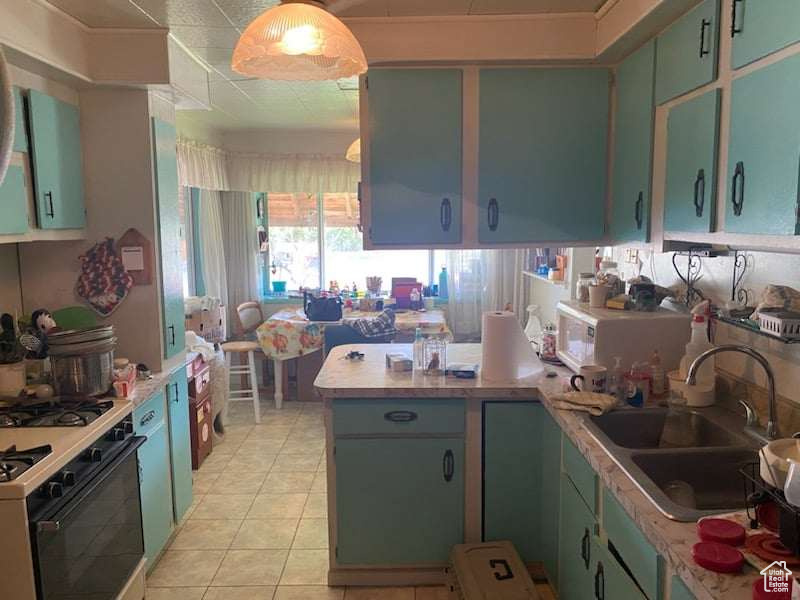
698, 343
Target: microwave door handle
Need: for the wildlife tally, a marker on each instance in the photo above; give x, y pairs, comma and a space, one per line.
54, 522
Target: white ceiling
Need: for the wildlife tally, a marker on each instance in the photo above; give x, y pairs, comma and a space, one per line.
211, 28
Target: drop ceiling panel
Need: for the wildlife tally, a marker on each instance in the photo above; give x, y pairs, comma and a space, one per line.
242, 12
358, 8
184, 12
403, 8
510, 7
206, 37
106, 13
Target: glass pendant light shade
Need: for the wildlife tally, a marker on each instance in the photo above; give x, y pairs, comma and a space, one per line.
298, 41
353, 153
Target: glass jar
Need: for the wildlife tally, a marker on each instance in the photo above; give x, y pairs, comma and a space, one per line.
548, 349
582, 287
435, 353
609, 275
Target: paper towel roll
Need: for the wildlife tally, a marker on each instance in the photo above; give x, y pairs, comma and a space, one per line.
506, 353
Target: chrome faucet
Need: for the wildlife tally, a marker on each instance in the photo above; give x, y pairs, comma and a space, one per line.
772, 416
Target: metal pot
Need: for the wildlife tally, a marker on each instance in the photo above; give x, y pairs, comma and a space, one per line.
83, 369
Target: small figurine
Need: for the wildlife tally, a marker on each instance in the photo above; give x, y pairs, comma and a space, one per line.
42, 323
433, 365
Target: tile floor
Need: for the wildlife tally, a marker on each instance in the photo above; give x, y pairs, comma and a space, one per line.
258, 529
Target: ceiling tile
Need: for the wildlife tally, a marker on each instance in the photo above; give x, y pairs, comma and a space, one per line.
403, 8
242, 12
206, 37
498, 7
360, 8
106, 13
184, 12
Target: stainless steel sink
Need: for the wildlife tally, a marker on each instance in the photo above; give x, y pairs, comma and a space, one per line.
662, 428
685, 461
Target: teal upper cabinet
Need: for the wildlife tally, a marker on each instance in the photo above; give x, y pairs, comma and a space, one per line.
398, 500
760, 27
764, 151
166, 174
415, 150
542, 145
633, 146
20, 133
692, 134
13, 202
687, 52
180, 443
57, 166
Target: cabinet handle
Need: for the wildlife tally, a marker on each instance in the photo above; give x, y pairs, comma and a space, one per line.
448, 465
638, 209
171, 329
360, 226
737, 193
699, 192
585, 548
493, 214
734, 28
501, 562
599, 582
445, 214
49, 211
147, 417
401, 416
703, 26
176, 397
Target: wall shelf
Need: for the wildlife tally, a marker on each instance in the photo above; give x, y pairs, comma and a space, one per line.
744, 324
559, 283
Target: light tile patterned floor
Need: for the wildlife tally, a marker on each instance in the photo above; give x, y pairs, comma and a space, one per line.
257, 529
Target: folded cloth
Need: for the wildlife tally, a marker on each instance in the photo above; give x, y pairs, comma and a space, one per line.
591, 402
373, 327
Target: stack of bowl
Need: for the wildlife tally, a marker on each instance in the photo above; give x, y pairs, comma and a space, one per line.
82, 361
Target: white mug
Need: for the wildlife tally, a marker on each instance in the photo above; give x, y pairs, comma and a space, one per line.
593, 378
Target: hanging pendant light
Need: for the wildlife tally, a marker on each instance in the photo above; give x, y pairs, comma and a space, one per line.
353, 153
298, 41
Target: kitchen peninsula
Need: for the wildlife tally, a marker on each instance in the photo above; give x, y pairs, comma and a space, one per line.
417, 463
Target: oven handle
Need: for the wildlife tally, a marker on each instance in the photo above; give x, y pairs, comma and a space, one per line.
54, 523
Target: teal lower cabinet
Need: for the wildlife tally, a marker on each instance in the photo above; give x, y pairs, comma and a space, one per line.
521, 452
398, 500
577, 528
679, 591
609, 579
180, 443
13, 202
692, 135
154, 476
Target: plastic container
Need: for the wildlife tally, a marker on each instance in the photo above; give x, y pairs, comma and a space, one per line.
443, 283
723, 531
717, 557
279, 287
419, 350
582, 287
616, 381
435, 356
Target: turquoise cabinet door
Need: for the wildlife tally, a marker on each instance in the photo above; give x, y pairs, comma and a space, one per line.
13, 202
415, 154
154, 488
760, 28
577, 527
686, 53
399, 500
691, 187
633, 146
764, 151
180, 443
20, 133
609, 579
551, 498
57, 166
679, 590
542, 170
170, 234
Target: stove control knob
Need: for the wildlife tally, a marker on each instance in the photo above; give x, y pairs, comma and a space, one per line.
54, 490
67, 478
117, 434
94, 455
127, 426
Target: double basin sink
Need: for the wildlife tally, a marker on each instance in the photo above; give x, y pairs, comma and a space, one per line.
686, 461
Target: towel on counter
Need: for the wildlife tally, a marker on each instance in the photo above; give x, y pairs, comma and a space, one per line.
591, 402
375, 327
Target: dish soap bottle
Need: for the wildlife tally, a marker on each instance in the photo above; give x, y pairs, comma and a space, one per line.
443, 283
419, 350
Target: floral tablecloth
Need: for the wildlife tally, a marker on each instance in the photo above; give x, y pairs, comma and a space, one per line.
287, 334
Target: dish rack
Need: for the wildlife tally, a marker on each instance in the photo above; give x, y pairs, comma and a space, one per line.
757, 491
782, 324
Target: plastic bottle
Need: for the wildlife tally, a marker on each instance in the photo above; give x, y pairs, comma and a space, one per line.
658, 380
443, 283
616, 381
419, 350
698, 343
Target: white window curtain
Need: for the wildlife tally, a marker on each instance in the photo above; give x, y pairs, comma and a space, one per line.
480, 281
212, 246
241, 249
202, 166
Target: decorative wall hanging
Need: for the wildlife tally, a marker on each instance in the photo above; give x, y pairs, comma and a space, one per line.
103, 283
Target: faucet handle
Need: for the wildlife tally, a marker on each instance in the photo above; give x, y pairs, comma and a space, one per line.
750, 413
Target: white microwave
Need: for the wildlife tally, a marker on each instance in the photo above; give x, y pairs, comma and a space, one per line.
594, 336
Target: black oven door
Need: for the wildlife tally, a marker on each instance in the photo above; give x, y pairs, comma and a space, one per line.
91, 545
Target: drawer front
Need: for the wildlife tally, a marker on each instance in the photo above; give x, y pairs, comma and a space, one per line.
634, 549
397, 416
200, 384
148, 416
580, 473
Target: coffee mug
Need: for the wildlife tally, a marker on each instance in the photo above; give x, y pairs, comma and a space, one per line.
593, 378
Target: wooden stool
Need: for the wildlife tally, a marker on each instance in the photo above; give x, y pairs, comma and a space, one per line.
243, 395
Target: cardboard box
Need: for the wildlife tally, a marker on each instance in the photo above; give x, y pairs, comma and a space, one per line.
208, 324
